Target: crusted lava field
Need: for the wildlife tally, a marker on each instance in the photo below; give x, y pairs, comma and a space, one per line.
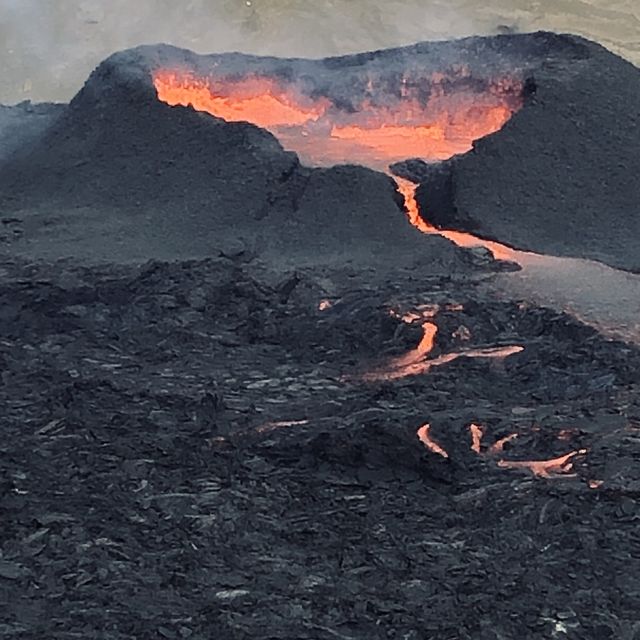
245, 396
189, 449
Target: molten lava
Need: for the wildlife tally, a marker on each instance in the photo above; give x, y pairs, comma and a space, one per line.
425, 437
477, 432
257, 100
498, 446
554, 468
499, 251
375, 132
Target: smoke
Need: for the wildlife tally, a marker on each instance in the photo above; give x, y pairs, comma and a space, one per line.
47, 49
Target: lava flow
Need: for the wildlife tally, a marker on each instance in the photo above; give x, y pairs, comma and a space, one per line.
427, 441
553, 468
561, 466
499, 251
417, 361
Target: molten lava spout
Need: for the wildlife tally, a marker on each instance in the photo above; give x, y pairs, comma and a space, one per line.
557, 467
427, 441
374, 134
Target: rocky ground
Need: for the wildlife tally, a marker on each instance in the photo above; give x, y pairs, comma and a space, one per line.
189, 451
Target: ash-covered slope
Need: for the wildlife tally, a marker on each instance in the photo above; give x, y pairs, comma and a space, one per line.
560, 177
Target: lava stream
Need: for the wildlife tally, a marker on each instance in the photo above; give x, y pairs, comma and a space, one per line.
557, 467
499, 251
432, 445
476, 432
554, 468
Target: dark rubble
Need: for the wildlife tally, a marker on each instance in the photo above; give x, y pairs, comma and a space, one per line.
147, 490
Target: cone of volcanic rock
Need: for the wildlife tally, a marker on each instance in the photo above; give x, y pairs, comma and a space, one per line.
122, 175
559, 178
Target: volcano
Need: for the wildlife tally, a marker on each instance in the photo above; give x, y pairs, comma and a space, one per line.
242, 150
259, 379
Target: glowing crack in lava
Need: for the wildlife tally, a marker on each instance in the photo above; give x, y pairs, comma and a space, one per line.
379, 130
417, 361
427, 441
553, 468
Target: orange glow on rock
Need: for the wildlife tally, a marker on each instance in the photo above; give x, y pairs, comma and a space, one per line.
425, 437
257, 100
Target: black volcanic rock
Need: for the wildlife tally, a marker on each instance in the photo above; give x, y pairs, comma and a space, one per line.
559, 178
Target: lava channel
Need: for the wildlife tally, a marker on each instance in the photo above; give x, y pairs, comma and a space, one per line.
417, 361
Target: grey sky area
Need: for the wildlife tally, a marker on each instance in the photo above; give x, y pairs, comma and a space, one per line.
48, 47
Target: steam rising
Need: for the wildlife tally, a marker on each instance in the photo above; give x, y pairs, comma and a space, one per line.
48, 48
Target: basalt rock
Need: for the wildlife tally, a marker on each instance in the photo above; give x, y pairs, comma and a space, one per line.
557, 178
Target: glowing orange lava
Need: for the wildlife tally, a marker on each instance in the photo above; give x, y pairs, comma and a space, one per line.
476, 432
257, 100
417, 362
375, 134
554, 468
396, 371
499, 251
432, 445
498, 446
